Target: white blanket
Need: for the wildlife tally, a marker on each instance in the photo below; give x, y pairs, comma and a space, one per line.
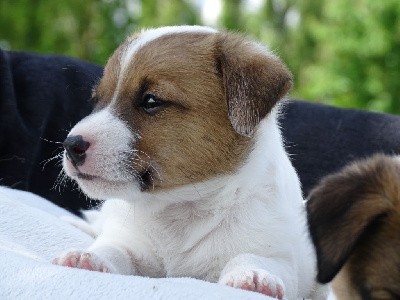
32, 234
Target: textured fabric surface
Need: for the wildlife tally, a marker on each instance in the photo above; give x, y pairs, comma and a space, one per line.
321, 139
32, 234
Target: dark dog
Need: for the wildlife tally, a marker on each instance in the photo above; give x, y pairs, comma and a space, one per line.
354, 220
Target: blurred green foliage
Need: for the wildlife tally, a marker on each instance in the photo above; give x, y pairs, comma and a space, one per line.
341, 52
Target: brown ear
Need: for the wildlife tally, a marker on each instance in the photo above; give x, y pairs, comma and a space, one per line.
345, 207
254, 80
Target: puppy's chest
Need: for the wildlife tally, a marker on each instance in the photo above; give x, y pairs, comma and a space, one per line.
192, 243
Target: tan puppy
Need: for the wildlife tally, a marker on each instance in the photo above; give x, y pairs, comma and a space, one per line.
354, 219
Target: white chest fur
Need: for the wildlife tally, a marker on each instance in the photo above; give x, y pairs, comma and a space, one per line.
196, 230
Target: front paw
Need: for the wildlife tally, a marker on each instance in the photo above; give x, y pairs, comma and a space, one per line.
255, 280
83, 260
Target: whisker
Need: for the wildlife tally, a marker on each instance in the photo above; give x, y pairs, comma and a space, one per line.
60, 180
46, 161
50, 141
149, 163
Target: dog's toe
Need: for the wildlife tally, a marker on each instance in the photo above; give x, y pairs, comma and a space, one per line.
82, 260
255, 280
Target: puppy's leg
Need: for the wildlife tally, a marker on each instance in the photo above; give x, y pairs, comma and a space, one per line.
116, 251
104, 258
260, 274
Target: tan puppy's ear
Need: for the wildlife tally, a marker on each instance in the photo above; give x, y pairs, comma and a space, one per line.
347, 206
254, 80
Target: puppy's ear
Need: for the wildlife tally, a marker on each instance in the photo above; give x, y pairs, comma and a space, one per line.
253, 79
344, 208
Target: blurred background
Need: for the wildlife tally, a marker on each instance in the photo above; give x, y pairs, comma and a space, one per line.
343, 53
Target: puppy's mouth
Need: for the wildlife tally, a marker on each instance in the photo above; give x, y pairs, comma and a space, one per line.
86, 176
145, 179
89, 177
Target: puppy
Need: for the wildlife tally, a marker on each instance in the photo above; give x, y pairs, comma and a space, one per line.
184, 133
354, 219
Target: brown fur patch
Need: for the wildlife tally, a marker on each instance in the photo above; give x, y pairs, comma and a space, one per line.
104, 92
191, 139
250, 74
354, 220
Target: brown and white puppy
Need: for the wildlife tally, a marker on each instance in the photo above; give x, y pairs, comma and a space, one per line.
184, 133
354, 219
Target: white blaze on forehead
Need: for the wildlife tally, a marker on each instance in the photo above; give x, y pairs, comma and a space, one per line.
152, 34
146, 36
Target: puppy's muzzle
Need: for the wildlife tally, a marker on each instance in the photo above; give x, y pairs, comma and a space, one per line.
76, 147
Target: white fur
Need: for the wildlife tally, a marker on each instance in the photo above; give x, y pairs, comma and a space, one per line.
230, 226
110, 139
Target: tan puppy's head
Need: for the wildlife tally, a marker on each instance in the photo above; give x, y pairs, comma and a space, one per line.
354, 220
176, 105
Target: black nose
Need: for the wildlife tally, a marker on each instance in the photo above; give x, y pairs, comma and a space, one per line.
76, 148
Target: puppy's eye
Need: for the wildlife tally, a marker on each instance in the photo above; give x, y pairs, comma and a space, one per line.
151, 104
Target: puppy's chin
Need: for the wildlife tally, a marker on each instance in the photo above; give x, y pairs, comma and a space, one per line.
103, 189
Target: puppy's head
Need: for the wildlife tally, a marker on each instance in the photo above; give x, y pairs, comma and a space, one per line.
354, 220
175, 105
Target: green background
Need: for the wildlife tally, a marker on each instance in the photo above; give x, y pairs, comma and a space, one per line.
341, 52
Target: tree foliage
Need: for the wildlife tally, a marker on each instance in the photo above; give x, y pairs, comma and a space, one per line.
341, 52
355, 58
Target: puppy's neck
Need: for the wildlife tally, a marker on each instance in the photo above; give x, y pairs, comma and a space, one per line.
266, 168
